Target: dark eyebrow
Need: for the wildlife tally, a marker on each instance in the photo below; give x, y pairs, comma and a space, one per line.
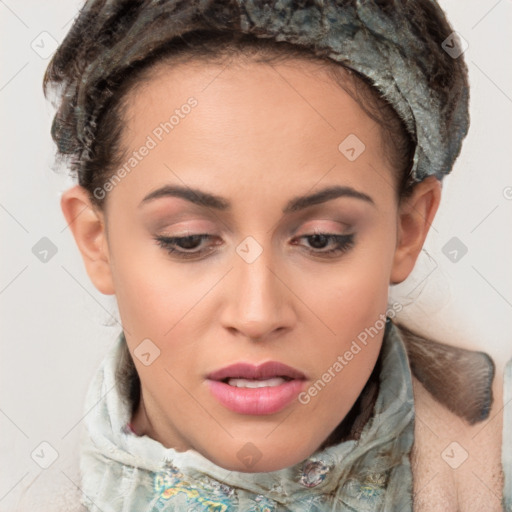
326, 194
208, 200
194, 195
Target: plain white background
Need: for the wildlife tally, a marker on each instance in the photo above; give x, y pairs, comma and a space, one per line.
55, 326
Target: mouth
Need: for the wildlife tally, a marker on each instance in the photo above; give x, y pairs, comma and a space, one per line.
249, 372
255, 383
249, 389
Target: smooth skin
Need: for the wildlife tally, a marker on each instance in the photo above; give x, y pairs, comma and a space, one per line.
259, 137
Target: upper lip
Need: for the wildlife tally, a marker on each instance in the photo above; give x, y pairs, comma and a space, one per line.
266, 370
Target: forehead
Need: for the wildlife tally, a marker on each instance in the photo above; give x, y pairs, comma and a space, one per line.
297, 94
253, 121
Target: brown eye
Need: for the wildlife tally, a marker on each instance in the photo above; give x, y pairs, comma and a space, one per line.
183, 246
339, 243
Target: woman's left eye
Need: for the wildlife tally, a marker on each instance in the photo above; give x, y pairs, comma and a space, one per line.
341, 243
187, 246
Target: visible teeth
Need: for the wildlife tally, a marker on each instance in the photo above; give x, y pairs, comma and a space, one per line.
246, 383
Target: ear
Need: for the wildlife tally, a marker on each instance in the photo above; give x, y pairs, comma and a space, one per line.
87, 224
415, 216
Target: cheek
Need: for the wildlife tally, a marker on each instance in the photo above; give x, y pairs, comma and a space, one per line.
353, 295
353, 310
158, 304
153, 293
351, 301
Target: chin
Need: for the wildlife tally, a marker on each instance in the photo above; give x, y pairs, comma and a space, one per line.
259, 457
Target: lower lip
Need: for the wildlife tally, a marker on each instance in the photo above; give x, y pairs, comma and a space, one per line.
267, 400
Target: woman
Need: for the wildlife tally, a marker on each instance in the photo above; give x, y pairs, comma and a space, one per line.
252, 178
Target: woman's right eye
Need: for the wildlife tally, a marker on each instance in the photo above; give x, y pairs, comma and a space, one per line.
183, 246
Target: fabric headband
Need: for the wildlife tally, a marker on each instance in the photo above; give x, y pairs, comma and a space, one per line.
381, 44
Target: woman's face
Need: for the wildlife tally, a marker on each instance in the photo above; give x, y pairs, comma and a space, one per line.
260, 161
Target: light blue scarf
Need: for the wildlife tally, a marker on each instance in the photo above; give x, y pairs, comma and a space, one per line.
124, 472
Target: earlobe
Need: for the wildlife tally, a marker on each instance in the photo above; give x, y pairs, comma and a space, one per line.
415, 216
89, 231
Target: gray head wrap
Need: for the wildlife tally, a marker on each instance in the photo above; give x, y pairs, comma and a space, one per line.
382, 42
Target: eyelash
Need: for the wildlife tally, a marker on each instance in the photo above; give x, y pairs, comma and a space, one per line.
343, 244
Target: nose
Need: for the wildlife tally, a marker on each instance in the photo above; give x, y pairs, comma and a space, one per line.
258, 300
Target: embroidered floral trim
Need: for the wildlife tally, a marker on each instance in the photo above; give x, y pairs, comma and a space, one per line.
211, 494
314, 473
372, 486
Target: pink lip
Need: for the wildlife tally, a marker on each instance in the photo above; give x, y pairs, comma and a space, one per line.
267, 400
263, 371
256, 401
